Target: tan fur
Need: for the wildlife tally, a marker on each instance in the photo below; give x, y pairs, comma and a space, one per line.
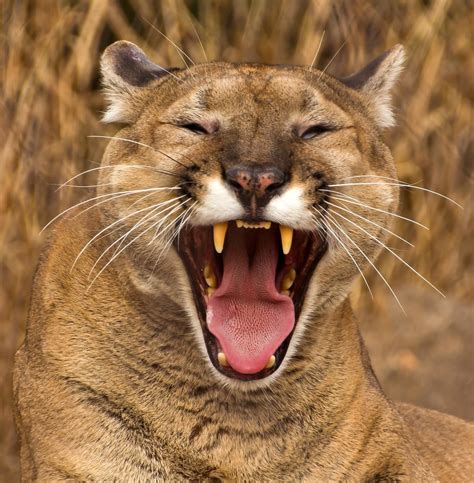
112, 383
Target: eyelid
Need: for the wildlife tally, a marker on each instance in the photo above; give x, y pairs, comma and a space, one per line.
314, 130
200, 127
195, 128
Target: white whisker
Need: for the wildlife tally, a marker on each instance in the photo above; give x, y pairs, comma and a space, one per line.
326, 226
400, 185
89, 186
317, 50
332, 59
95, 237
200, 42
164, 230
185, 220
111, 196
372, 264
116, 254
355, 201
148, 217
175, 233
392, 252
371, 222
128, 208
158, 233
119, 195
179, 49
377, 177
116, 138
175, 207
149, 194
121, 166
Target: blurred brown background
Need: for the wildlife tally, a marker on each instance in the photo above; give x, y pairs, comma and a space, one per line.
51, 102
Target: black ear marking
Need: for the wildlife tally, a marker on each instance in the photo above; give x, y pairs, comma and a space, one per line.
126, 74
376, 81
131, 64
357, 80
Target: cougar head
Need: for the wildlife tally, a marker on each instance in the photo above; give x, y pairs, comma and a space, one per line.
237, 173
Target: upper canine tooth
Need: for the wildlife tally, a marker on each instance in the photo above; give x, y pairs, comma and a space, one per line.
286, 238
210, 277
220, 230
288, 279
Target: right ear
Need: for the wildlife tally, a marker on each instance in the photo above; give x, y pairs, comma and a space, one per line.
126, 72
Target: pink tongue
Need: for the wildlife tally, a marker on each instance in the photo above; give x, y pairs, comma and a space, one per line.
247, 314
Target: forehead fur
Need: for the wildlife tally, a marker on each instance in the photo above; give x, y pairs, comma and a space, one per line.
123, 63
240, 90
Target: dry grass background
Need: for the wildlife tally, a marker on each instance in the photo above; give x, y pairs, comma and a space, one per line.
51, 101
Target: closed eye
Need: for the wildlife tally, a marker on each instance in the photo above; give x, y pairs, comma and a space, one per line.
195, 128
316, 130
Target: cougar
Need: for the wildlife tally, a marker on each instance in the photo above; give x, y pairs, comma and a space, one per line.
191, 321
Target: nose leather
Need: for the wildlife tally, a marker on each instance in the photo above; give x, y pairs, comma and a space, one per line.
255, 186
258, 181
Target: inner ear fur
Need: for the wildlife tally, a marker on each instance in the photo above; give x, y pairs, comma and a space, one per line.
376, 81
126, 73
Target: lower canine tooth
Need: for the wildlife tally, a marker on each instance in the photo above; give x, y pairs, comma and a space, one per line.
286, 238
210, 277
271, 362
219, 231
222, 359
288, 279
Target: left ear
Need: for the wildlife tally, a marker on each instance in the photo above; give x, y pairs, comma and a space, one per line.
376, 81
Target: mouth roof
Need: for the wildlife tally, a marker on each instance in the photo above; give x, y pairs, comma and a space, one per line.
249, 282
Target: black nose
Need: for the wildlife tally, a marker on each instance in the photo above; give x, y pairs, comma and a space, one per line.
258, 181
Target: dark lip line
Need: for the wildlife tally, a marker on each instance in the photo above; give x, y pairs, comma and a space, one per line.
282, 350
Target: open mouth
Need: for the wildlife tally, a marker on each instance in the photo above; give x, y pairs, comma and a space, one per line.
249, 281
